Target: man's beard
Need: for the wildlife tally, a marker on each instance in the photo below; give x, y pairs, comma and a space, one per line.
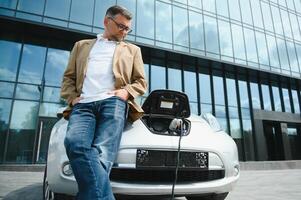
117, 39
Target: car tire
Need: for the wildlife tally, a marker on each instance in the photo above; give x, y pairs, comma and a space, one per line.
209, 197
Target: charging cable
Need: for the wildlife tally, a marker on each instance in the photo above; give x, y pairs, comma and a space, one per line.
174, 125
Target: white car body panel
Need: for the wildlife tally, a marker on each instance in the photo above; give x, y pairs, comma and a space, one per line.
222, 150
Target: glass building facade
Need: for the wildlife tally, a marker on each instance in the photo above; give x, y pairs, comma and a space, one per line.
238, 59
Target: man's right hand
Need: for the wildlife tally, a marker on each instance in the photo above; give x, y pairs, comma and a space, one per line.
76, 100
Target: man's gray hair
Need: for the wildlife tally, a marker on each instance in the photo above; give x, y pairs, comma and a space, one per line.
115, 10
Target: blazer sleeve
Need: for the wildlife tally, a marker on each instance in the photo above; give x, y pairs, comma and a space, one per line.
68, 89
138, 84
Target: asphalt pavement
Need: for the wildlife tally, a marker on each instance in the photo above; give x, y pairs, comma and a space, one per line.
281, 184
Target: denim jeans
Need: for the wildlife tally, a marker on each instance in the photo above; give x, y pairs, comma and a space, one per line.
92, 141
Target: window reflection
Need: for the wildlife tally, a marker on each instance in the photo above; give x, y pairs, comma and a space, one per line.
255, 96
22, 132
196, 30
5, 106
287, 100
234, 9
256, 11
231, 92
277, 20
49, 109
295, 101
235, 128
222, 8
268, 23
282, 54
30, 92
58, 9
158, 80
174, 78
100, 11
243, 94
163, 22
218, 90
205, 88
292, 56
266, 97
55, 66
273, 52
6, 89
276, 97
262, 48
32, 6
8, 4
286, 21
250, 45
145, 18
9, 57
195, 3
146, 74
52, 94
82, 11
238, 42
225, 38
180, 22
32, 64
246, 11
211, 37
190, 85
295, 26
209, 6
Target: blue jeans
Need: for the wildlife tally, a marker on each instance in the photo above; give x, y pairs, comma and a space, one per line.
92, 141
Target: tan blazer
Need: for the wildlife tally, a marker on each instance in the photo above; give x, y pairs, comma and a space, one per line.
128, 70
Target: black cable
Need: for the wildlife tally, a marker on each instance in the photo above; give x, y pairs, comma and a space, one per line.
177, 162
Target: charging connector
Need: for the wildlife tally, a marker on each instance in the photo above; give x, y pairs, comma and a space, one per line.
179, 123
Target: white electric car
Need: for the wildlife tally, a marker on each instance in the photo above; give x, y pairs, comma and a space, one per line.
207, 165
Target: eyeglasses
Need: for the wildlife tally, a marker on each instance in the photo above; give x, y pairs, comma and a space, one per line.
121, 27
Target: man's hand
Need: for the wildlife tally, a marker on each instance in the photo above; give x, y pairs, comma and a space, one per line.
122, 93
76, 100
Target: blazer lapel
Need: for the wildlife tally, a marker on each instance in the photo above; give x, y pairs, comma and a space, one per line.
117, 54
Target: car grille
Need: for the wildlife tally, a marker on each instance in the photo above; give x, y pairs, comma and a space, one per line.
164, 176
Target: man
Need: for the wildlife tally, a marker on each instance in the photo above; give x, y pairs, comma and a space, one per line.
102, 78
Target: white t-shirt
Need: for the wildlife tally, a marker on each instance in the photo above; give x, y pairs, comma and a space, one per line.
99, 78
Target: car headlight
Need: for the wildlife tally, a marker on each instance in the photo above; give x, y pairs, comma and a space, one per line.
66, 169
212, 121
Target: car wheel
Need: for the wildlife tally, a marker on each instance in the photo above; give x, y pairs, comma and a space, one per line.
47, 193
209, 197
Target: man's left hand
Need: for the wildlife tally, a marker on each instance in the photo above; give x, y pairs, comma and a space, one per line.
122, 93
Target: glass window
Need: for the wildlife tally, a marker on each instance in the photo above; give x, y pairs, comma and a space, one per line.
295, 101
206, 108
8, 4
219, 96
211, 36
163, 22
286, 100
292, 56
255, 96
146, 71
277, 20
225, 38
234, 9
282, 54
190, 85
266, 97
205, 88
209, 5
247, 133
32, 6
180, 23
5, 106
235, 128
243, 94
298, 49
262, 48
174, 78
282, 3
222, 8
195, 3
231, 92
58, 9
295, 26
158, 80
55, 66
32, 64
196, 30
250, 45
6, 89
49, 109
82, 11
220, 114
131, 6
256, 11
246, 11
9, 58
286, 21
268, 23
238, 42
276, 97
290, 4
273, 51
52, 94
145, 18
22, 132
30, 92
298, 6
100, 11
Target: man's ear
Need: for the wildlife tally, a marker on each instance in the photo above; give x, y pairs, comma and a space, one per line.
106, 21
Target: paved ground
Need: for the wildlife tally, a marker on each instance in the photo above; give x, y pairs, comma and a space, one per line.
252, 185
